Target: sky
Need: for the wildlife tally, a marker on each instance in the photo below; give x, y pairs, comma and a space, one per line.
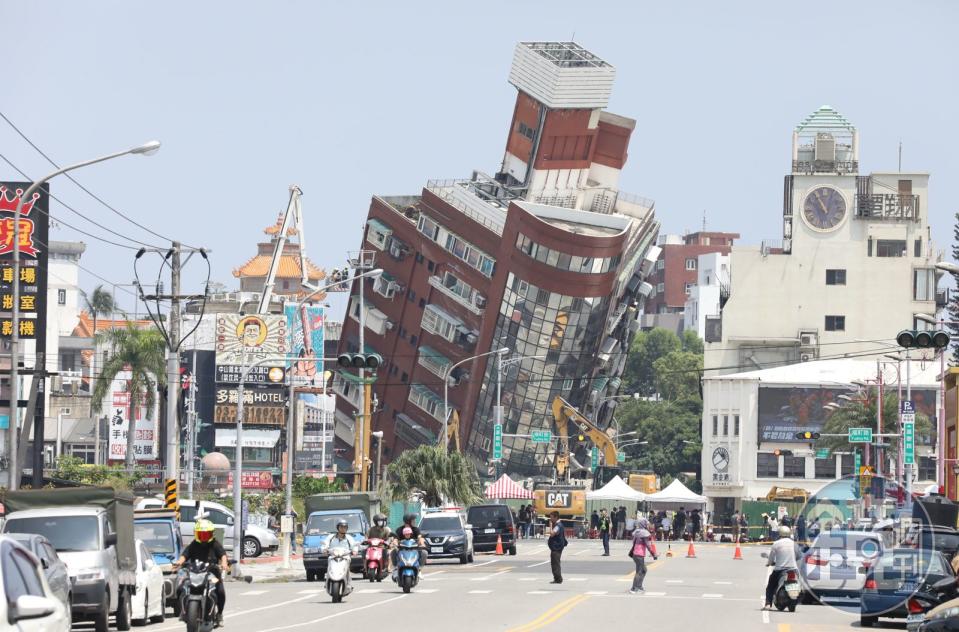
348, 100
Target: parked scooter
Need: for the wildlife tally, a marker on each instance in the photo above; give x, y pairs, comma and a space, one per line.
407, 574
338, 584
374, 564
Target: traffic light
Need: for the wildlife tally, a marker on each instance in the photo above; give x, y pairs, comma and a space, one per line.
807, 435
359, 360
782, 452
924, 339
581, 437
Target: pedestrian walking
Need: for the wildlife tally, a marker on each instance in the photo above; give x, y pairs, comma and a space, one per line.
801, 528
605, 525
556, 543
695, 524
744, 526
642, 546
523, 520
621, 523
594, 523
734, 523
531, 527
679, 523
667, 523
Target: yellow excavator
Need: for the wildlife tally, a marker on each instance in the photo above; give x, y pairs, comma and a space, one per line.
571, 423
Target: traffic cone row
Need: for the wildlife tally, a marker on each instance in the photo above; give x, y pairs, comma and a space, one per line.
669, 550
691, 551
499, 545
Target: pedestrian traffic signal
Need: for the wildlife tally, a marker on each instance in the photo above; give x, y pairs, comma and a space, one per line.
807, 435
359, 360
924, 339
782, 452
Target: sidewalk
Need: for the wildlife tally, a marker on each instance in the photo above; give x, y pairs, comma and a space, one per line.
269, 570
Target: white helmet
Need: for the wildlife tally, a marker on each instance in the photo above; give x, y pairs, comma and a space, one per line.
784, 532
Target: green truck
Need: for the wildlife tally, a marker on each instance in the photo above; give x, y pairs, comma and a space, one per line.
92, 530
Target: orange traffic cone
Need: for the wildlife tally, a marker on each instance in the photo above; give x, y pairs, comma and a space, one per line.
669, 550
499, 545
738, 555
691, 552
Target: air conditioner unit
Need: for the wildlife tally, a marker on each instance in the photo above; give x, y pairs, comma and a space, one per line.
480, 301
471, 338
646, 289
394, 287
807, 357
390, 325
398, 249
808, 339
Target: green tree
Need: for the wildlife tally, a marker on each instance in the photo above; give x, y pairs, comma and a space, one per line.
672, 430
100, 303
692, 343
142, 353
647, 347
677, 375
70, 468
434, 475
304, 486
862, 414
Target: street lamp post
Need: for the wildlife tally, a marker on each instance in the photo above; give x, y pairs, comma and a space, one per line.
14, 468
378, 435
446, 390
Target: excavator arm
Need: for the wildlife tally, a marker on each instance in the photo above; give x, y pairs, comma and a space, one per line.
568, 419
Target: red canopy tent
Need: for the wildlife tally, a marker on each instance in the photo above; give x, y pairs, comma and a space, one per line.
505, 487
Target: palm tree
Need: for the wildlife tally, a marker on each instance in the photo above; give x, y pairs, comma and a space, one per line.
862, 414
433, 474
99, 303
142, 352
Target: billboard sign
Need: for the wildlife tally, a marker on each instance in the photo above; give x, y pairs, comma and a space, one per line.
247, 340
145, 438
786, 411
304, 323
261, 404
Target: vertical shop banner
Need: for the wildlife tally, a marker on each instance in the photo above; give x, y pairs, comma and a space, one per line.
305, 326
120, 413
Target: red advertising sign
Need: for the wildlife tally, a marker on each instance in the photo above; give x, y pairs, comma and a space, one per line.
253, 480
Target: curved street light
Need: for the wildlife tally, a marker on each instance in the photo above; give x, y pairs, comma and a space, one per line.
13, 466
446, 389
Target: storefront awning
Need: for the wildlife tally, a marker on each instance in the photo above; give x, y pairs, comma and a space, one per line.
253, 438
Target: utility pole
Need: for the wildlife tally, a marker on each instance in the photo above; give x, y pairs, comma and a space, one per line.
173, 369
191, 439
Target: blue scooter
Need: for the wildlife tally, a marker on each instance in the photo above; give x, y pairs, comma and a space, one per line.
407, 565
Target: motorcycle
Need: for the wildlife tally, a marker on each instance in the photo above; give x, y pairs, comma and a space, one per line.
338, 583
788, 590
197, 596
407, 573
373, 567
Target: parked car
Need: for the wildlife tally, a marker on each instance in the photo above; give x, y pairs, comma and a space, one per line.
54, 569
834, 566
319, 526
447, 535
905, 584
934, 538
149, 603
489, 522
256, 539
28, 605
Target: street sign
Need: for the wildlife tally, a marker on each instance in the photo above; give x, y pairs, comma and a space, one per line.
909, 443
907, 412
866, 472
858, 463
860, 435
822, 453
497, 441
541, 436
620, 456
594, 458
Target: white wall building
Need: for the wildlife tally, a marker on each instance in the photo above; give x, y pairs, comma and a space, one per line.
747, 416
855, 263
704, 297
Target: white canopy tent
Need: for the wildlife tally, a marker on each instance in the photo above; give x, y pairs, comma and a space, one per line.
674, 496
616, 489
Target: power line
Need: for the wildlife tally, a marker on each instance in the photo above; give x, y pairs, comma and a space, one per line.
83, 188
79, 230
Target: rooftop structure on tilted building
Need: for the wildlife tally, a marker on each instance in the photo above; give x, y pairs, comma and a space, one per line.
252, 274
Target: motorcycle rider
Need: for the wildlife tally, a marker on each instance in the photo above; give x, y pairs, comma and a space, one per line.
206, 548
782, 557
381, 531
341, 536
408, 531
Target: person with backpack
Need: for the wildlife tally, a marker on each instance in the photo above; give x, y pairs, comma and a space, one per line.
642, 545
557, 542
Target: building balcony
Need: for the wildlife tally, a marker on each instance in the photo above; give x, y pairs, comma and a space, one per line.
475, 303
349, 389
887, 206
375, 320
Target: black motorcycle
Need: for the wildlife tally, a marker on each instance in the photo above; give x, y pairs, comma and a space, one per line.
197, 594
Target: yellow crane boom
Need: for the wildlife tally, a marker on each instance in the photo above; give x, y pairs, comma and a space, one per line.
565, 416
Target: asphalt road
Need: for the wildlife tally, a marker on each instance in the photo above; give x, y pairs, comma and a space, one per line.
710, 592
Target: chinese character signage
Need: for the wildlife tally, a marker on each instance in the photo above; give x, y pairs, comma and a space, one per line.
246, 340
261, 405
34, 235
264, 374
252, 480
145, 437
305, 327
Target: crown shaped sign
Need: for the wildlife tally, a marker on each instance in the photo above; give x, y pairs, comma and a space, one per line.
10, 204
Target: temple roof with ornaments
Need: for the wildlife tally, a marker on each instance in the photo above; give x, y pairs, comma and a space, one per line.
289, 268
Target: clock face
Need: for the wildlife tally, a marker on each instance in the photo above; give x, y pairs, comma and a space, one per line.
720, 459
824, 208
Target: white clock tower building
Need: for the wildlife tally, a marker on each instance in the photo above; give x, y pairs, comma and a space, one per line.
854, 266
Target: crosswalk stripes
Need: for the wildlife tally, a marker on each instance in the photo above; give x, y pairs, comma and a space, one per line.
479, 592
712, 596
252, 593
